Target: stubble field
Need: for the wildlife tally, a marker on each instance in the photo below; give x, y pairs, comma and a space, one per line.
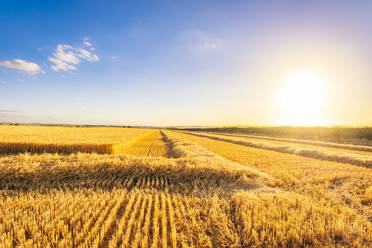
157, 188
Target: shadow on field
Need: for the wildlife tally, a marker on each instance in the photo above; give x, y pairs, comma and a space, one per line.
178, 175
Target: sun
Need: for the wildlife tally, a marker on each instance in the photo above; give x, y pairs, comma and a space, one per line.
303, 99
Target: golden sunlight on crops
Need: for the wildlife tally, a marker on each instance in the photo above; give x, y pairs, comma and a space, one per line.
150, 145
172, 189
38, 139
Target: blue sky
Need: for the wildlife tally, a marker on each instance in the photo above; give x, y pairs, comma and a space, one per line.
180, 62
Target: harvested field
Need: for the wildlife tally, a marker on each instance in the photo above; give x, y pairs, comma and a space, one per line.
171, 189
358, 149
324, 153
327, 181
151, 145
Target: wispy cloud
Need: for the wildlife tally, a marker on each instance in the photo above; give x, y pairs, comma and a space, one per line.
114, 58
20, 80
206, 41
87, 43
19, 64
9, 111
66, 57
199, 40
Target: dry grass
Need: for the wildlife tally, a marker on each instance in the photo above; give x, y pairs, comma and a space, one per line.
312, 152
307, 143
87, 200
151, 145
331, 181
195, 199
339, 134
39, 139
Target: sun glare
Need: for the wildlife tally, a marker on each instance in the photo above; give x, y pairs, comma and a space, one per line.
303, 98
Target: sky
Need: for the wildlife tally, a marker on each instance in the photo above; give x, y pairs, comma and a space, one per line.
184, 63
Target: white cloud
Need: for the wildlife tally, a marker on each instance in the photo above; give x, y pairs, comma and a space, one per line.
66, 57
20, 64
20, 80
87, 43
4, 82
114, 58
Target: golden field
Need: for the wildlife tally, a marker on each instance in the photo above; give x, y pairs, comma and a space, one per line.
171, 189
352, 156
38, 139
